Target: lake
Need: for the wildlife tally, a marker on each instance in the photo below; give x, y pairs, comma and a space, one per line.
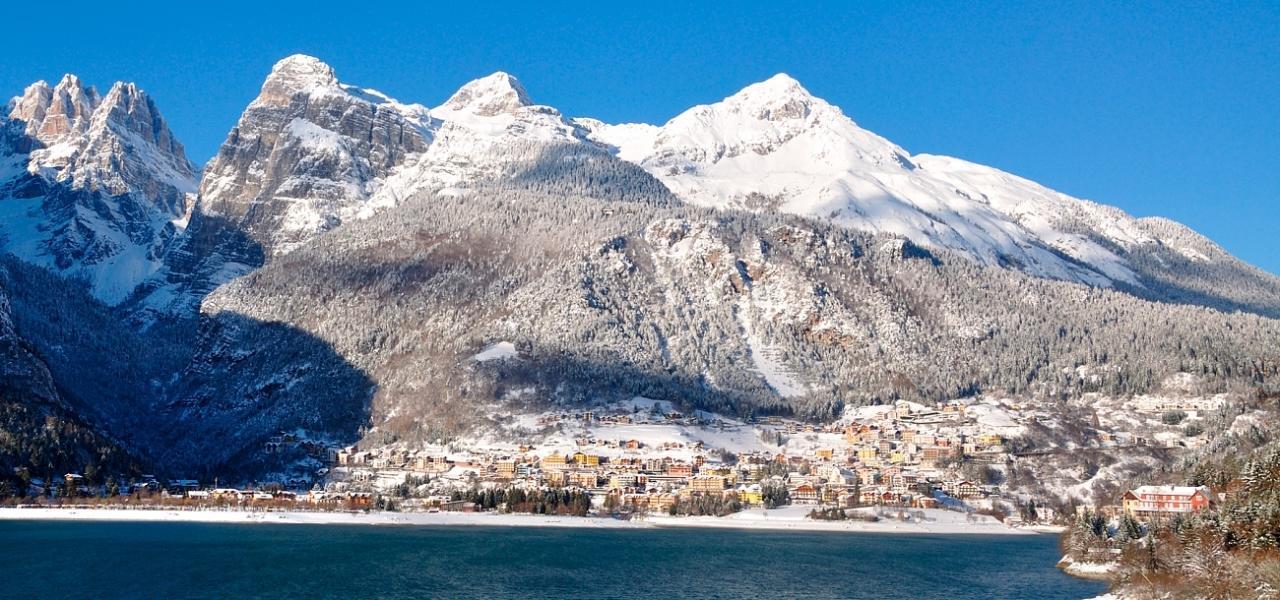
194, 560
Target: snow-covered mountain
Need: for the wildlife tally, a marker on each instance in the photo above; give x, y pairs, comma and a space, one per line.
310, 153
306, 154
775, 147
91, 186
346, 256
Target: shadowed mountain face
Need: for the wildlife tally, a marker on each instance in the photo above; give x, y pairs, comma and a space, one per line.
41, 435
187, 397
251, 380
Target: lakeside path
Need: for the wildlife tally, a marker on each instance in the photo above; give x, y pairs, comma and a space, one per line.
783, 519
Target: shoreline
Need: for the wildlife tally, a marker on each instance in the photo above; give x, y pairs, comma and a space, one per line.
776, 520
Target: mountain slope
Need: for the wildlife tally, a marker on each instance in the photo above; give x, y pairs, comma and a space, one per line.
310, 153
41, 434
350, 258
721, 310
775, 147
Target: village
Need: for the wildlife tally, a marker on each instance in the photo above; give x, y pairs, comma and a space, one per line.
648, 458
652, 459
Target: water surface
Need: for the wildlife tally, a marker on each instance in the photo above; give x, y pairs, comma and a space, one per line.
196, 560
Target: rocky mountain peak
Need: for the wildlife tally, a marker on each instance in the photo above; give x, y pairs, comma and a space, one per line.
31, 106
51, 114
102, 187
297, 74
488, 96
304, 157
777, 98
130, 110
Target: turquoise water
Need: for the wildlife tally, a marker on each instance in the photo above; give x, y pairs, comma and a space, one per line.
192, 560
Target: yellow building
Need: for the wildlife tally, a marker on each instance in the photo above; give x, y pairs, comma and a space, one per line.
750, 497
707, 483
554, 462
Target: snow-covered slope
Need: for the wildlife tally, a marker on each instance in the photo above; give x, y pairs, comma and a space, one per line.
310, 152
483, 129
91, 186
774, 146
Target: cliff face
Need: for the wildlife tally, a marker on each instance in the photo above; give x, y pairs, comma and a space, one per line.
306, 154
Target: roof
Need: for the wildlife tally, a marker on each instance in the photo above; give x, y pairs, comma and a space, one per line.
1170, 490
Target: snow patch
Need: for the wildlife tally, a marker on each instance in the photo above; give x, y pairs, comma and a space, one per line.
498, 351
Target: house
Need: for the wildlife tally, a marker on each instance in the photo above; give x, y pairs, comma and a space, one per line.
966, 490
1165, 500
750, 495
584, 478
804, 493
990, 439
225, 494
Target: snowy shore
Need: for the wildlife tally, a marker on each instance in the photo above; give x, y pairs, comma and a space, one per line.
783, 519
1098, 571
792, 518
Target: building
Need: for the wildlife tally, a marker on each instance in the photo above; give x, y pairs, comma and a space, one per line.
750, 495
965, 490
584, 479
804, 494
1165, 500
680, 470
554, 462
707, 483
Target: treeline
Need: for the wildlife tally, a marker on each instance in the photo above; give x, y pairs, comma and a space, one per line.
553, 501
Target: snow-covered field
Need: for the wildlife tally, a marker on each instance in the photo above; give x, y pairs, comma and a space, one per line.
791, 518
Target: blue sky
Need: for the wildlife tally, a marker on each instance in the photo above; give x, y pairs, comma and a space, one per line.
1160, 109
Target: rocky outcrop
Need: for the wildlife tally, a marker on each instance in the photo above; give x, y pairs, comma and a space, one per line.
305, 155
